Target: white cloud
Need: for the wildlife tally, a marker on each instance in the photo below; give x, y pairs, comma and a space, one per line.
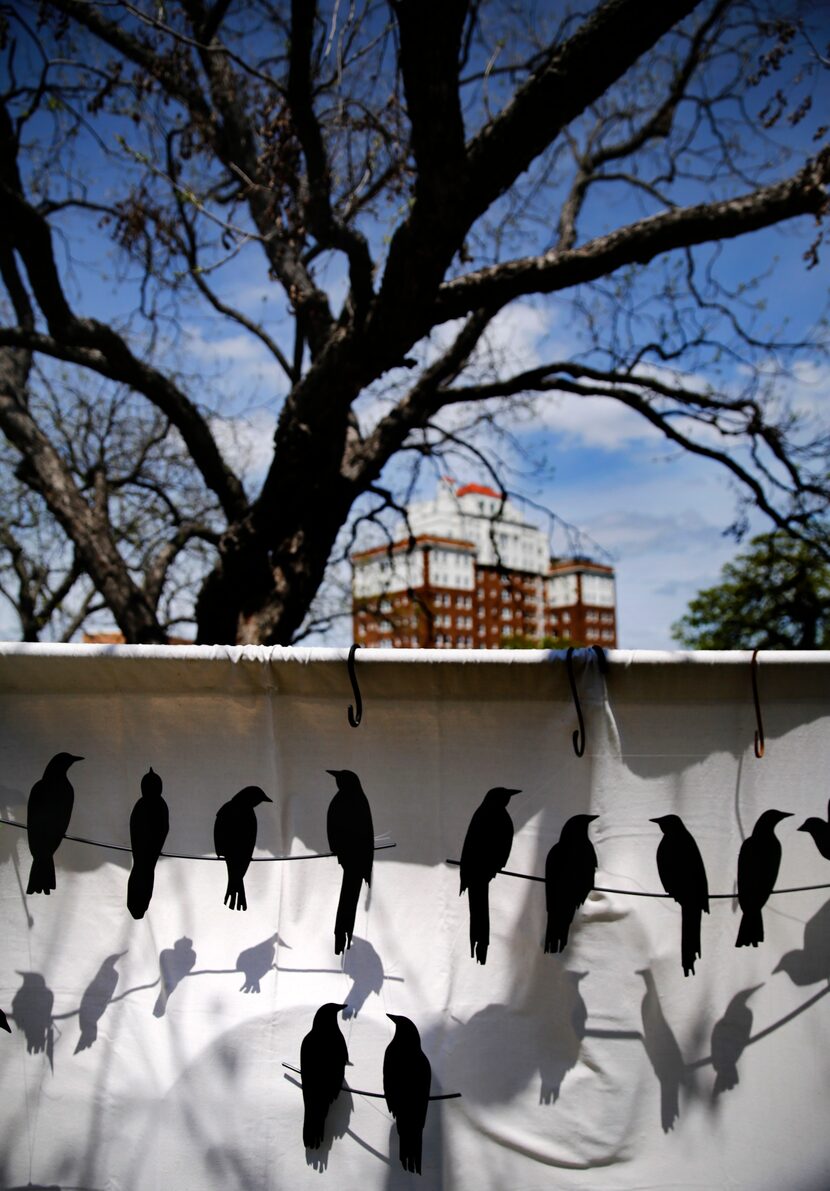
246, 442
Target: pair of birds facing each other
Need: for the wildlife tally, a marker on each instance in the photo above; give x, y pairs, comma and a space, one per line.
351, 838
406, 1081
570, 868
234, 837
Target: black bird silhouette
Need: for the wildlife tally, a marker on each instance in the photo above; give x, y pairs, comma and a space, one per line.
149, 824
729, 1038
486, 849
758, 863
323, 1059
569, 877
820, 831
50, 809
352, 839
32, 1013
4, 1023
406, 1079
234, 837
96, 997
174, 964
681, 870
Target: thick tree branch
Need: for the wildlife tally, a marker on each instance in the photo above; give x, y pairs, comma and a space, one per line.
804, 193
328, 231
90, 342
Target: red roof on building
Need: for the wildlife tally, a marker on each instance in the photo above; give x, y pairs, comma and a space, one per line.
478, 490
422, 540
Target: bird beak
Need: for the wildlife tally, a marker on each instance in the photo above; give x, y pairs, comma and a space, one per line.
803, 827
591, 818
74, 759
333, 772
266, 798
510, 793
346, 1006
392, 1016
657, 820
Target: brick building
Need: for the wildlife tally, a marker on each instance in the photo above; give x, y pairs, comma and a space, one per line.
473, 575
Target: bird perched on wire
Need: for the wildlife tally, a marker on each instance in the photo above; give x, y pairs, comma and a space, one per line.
234, 837
820, 831
569, 877
683, 875
352, 839
758, 863
149, 824
486, 849
49, 812
406, 1079
323, 1059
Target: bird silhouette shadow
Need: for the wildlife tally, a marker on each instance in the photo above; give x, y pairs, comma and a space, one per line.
337, 1126
175, 963
812, 963
567, 1031
364, 967
95, 999
663, 1052
32, 1013
730, 1036
500, 1048
257, 961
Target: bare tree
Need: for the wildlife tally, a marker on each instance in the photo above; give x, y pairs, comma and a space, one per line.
430, 163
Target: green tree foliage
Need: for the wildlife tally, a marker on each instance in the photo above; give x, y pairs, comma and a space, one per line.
775, 595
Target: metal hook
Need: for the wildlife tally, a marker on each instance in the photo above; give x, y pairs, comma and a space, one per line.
578, 737
759, 731
354, 717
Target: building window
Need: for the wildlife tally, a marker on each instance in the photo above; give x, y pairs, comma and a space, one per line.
439, 640
482, 631
505, 631
506, 614
505, 595
566, 618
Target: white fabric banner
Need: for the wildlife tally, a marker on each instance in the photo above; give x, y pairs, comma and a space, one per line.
149, 1054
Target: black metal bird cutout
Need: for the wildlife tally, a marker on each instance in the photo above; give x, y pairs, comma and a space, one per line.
49, 812
323, 1059
569, 877
683, 875
820, 831
234, 837
149, 824
406, 1079
758, 863
352, 839
486, 850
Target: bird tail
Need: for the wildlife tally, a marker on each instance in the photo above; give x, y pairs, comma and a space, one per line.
726, 1079
140, 889
235, 893
690, 937
41, 875
479, 897
346, 910
751, 930
313, 1129
409, 1149
556, 934
89, 1035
